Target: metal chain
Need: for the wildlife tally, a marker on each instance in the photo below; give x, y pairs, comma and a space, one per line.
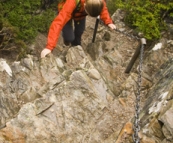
122, 32
136, 138
136, 126
127, 34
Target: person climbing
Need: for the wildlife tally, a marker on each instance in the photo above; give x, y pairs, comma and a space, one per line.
77, 12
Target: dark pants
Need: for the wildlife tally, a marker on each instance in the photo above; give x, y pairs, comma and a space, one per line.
71, 35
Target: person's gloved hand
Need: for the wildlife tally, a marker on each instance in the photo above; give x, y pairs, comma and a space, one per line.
45, 52
112, 26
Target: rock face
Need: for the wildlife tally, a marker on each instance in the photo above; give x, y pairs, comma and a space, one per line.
82, 95
156, 116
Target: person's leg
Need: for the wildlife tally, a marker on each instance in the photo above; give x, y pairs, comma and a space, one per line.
78, 31
68, 33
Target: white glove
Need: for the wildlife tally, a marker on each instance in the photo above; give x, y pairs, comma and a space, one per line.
112, 26
45, 52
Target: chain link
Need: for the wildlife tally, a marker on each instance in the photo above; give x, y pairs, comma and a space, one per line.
127, 34
122, 32
136, 138
136, 126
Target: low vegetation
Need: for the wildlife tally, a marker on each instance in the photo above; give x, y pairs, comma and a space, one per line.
146, 16
20, 21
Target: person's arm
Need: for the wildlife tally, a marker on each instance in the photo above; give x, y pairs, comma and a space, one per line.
105, 16
57, 25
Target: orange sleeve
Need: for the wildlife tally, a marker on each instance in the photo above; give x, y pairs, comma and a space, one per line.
105, 16
58, 23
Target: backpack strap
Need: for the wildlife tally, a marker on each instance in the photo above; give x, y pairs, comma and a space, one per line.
77, 6
61, 3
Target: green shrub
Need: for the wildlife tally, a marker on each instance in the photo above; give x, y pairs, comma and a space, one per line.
147, 16
27, 17
23, 19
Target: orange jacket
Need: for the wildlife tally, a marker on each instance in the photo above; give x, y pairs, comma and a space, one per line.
65, 15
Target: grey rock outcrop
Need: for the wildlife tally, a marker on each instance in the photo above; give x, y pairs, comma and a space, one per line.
81, 94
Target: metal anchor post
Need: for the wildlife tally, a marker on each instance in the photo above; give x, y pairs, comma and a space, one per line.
135, 56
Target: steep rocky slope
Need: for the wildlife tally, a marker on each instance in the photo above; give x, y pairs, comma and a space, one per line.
83, 95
